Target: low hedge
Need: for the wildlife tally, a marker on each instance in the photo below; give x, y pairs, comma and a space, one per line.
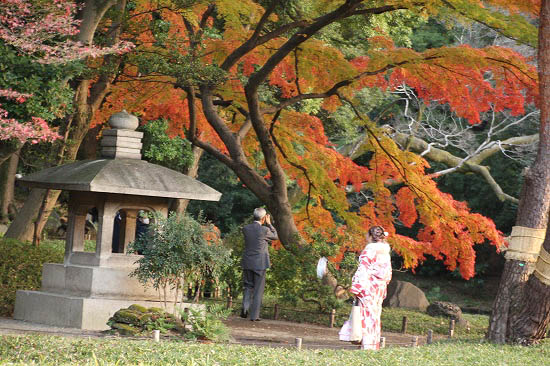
21, 268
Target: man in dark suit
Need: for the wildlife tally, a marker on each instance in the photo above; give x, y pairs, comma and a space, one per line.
255, 262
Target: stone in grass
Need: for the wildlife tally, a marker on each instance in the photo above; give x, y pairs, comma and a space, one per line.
127, 316
156, 310
125, 329
138, 308
402, 294
448, 310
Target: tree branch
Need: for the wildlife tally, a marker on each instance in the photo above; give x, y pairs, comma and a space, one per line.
297, 166
345, 10
456, 163
239, 162
253, 41
336, 87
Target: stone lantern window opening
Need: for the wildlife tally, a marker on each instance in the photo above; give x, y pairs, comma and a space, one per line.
127, 224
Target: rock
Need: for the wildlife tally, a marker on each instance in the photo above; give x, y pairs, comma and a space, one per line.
403, 294
127, 316
156, 310
138, 308
448, 310
137, 319
125, 329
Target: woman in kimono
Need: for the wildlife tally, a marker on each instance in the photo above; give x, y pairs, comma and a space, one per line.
369, 287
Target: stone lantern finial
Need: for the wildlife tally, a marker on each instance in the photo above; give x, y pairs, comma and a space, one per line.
123, 121
122, 141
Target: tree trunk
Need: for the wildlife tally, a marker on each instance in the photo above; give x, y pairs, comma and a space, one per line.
180, 205
8, 148
22, 227
7, 184
87, 99
530, 318
88, 148
513, 299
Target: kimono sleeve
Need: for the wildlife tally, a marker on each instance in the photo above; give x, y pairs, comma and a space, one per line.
374, 267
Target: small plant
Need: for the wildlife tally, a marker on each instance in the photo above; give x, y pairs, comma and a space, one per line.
207, 324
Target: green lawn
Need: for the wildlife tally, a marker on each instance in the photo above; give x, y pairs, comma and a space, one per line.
48, 350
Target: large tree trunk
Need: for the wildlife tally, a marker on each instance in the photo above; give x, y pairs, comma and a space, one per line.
87, 99
180, 205
529, 319
509, 308
7, 184
89, 147
8, 148
22, 227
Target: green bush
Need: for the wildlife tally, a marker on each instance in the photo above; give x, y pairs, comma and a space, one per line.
176, 250
293, 274
21, 268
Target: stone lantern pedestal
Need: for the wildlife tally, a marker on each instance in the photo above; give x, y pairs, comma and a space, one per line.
90, 286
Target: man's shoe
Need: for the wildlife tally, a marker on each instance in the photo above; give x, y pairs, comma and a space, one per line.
255, 320
244, 314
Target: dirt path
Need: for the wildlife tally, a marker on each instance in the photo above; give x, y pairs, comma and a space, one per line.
272, 333
284, 333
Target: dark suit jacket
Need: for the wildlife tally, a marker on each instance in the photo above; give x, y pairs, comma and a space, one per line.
256, 242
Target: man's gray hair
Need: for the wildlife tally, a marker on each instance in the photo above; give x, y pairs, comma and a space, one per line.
259, 213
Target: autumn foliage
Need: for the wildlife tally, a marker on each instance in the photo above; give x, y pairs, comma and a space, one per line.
44, 31
293, 66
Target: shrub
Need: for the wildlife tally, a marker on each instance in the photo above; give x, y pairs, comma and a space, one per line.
21, 268
177, 249
293, 275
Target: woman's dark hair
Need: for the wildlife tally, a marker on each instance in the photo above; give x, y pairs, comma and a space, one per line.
377, 233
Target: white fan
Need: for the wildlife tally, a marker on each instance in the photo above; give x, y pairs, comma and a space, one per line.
322, 267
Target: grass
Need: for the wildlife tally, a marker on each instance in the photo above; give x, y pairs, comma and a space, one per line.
419, 323
48, 350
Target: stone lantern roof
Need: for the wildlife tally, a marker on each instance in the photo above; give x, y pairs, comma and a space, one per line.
121, 171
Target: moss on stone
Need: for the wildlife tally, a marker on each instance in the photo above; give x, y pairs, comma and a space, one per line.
156, 310
127, 316
138, 308
125, 329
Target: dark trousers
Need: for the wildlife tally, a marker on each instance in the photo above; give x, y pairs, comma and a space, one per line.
253, 285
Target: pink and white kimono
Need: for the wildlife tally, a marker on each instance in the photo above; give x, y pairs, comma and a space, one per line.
369, 285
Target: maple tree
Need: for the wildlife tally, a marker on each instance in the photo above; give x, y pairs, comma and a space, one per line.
25, 26
240, 78
43, 31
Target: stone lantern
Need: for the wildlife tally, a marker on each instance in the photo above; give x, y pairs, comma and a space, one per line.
91, 285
